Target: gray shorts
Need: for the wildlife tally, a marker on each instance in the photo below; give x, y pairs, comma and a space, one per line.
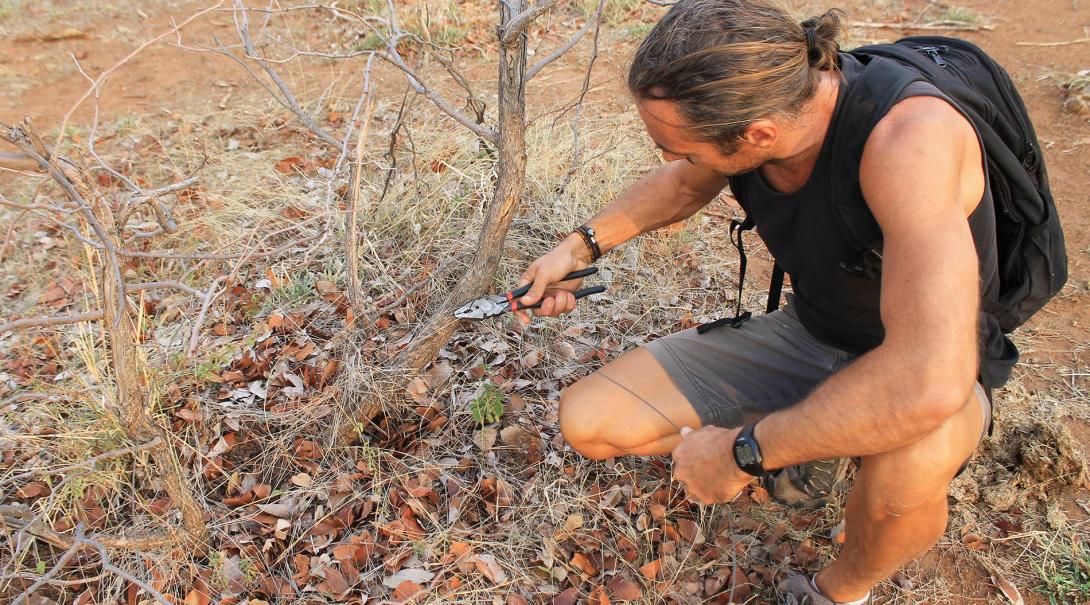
735, 375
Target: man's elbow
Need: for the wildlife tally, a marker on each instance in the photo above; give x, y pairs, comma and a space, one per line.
941, 388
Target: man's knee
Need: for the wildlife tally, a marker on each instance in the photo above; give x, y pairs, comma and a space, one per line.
581, 421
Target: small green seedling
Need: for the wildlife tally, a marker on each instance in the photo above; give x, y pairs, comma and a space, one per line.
488, 406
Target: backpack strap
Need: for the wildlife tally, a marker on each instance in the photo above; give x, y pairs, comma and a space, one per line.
738, 227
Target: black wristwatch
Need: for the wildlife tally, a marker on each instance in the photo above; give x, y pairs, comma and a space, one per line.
747, 452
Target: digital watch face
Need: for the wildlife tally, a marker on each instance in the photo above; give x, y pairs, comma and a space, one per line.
744, 455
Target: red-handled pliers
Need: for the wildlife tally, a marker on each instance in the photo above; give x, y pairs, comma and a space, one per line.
491, 306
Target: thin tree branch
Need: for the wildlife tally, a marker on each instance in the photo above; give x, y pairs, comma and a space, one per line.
81, 538
157, 285
47, 576
212, 294
392, 57
49, 321
90, 462
352, 235
1064, 43
242, 25
523, 20
556, 54
577, 151
105, 74
945, 26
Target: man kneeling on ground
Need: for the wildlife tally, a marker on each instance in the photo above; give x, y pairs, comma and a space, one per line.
881, 369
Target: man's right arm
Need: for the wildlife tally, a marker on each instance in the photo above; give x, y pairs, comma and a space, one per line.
666, 195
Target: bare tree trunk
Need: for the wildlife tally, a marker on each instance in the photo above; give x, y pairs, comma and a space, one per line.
131, 405
510, 181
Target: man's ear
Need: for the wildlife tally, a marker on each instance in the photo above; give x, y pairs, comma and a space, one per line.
762, 134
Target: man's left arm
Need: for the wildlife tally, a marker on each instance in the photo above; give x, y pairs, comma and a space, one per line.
924, 370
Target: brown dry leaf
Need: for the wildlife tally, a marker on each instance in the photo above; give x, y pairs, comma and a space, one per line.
1009, 590
488, 566
690, 531
418, 389
651, 570
32, 490
516, 599
624, 589
583, 564
302, 480
759, 495
532, 358
974, 541
197, 597
806, 553
406, 590
598, 596
571, 525
658, 512
290, 164
568, 597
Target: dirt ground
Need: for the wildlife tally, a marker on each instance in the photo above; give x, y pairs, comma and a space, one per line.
1043, 43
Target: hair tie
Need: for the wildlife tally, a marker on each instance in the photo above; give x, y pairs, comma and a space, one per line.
811, 38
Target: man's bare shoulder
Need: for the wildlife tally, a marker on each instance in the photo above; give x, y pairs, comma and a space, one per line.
922, 120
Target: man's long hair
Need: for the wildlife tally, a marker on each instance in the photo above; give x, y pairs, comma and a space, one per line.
727, 63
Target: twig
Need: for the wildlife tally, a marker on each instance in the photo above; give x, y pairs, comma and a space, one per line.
108, 566
157, 285
90, 462
49, 321
242, 25
556, 54
394, 58
1064, 43
520, 22
946, 26
577, 154
352, 235
47, 576
105, 74
209, 296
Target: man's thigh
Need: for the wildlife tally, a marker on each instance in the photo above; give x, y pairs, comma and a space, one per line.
731, 376
629, 406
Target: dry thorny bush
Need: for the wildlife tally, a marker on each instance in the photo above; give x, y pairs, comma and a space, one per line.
431, 505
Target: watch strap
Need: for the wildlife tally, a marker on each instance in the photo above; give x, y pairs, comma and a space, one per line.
747, 452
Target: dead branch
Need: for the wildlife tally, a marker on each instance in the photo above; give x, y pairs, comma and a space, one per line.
47, 576
577, 154
81, 538
50, 321
1064, 43
160, 285
105, 74
393, 57
518, 24
212, 294
945, 26
89, 463
17, 161
352, 233
594, 21
242, 25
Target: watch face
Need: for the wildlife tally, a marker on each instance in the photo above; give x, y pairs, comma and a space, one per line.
744, 455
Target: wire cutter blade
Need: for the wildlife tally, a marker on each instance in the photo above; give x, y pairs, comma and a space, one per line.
496, 304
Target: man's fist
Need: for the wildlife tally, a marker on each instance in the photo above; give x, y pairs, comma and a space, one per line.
704, 463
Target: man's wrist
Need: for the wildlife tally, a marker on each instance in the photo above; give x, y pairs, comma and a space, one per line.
577, 247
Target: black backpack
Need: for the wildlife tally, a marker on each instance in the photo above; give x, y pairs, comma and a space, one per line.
1031, 254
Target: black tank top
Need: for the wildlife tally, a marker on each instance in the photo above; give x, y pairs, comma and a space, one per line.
834, 264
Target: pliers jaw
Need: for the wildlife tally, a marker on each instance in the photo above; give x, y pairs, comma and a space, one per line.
482, 308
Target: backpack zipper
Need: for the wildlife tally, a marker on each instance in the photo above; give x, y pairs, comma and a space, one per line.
935, 52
